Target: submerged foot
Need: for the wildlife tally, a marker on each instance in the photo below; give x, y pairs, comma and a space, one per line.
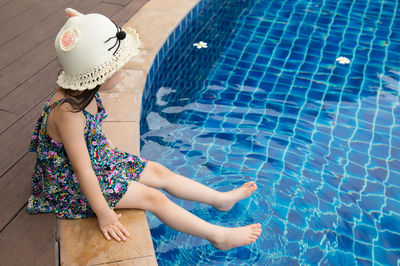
228, 199
238, 236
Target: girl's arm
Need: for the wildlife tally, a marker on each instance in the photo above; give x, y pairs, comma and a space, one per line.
70, 127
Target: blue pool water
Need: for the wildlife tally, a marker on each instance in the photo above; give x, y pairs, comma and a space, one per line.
268, 101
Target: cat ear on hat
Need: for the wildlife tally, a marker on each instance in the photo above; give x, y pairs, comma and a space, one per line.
70, 36
70, 12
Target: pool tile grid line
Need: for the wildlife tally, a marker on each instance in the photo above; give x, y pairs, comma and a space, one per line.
377, 112
297, 192
336, 123
340, 185
286, 60
232, 43
292, 201
253, 64
312, 78
320, 187
215, 105
247, 75
276, 47
241, 86
370, 153
274, 52
210, 111
330, 143
319, 112
194, 39
171, 40
330, 138
385, 182
174, 36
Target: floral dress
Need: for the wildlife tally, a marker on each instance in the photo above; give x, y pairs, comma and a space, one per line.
54, 184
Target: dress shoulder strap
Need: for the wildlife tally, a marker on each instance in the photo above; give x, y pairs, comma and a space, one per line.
55, 103
98, 100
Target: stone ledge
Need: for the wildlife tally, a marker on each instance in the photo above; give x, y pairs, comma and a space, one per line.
148, 260
80, 241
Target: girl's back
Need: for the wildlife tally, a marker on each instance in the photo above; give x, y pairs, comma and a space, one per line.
55, 114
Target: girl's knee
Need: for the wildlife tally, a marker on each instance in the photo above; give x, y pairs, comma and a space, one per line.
142, 197
155, 199
160, 172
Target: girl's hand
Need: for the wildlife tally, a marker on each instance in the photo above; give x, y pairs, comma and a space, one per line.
110, 226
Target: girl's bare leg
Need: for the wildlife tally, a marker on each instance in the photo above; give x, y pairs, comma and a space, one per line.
158, 176
147, 198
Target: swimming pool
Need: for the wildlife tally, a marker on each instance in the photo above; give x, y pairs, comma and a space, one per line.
268, 101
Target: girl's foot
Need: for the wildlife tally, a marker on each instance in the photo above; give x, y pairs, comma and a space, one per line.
236, 237
228, 199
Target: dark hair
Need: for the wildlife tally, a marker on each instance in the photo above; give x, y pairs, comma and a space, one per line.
80, 101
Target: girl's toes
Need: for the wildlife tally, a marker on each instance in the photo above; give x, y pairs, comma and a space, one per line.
253, 186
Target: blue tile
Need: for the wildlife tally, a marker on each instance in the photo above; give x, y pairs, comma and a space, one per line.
385, 257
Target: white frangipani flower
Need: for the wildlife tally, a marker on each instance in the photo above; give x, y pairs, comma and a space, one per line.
200, 45
343, 60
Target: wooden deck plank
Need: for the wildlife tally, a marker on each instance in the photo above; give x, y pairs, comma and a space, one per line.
4, 2
14, 142
127, 12
24, 21
25, 67
33, 91
6, 118
15, 188
48, 254
106, 9
23, 239
16, 48
43, 30
14, 8
118, 2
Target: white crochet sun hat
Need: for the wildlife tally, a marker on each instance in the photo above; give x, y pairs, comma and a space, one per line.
91, 48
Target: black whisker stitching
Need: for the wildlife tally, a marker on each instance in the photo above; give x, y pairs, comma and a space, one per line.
110, 39
118, 41
119, 44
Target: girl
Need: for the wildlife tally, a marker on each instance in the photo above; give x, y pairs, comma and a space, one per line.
78, 171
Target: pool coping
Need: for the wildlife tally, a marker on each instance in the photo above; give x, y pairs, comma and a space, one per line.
159, 23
